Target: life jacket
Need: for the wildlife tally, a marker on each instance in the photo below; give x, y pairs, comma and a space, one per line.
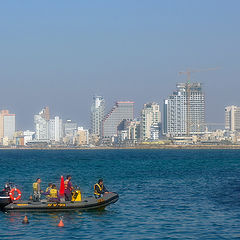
66, 184
53, 193
95, 190
48, 189
35, 187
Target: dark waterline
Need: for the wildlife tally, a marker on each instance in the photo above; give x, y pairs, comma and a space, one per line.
164, 194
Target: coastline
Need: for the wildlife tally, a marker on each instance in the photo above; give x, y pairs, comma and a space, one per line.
193, 147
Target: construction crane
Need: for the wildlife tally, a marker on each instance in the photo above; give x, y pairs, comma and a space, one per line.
189, 71
188, 92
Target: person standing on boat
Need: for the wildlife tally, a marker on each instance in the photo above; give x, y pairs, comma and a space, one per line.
68, 188
99, 189
37, 190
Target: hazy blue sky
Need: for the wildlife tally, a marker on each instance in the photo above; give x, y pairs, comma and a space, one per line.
61, 53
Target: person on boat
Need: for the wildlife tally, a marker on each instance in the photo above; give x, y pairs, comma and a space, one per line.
47, 191
37, 190
6, 190
99, 189
68, 188
53, 194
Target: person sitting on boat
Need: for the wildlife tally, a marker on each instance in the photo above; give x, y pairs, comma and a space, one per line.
53, 194
37, 190
99, 189
47, 191
68, 188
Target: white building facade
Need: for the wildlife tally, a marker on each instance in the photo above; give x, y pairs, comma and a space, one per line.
184, 110
48, 129
97, 115
55, 129
41, 128
150, 122
9, 126
28, 136
232, 118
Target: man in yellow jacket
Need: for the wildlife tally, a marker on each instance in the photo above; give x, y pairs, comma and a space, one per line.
99, 189
37, 190
53, 194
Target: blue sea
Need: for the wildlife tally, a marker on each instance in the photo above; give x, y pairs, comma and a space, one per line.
164, 194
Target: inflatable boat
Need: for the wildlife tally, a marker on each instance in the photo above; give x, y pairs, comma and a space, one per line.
45, 206
9, 202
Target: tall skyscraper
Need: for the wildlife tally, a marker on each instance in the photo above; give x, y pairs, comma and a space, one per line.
55, 129
184, 110
150, 122
41, 128
232, 118
97, 115
7, 125
42, 124
121, 111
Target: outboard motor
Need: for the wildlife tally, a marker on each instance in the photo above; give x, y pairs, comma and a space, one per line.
4, 196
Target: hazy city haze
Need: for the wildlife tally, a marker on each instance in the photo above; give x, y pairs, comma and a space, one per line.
61, 53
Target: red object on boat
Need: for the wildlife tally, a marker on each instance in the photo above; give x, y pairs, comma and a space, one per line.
61, 191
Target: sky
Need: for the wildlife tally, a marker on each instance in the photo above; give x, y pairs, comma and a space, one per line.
61, 53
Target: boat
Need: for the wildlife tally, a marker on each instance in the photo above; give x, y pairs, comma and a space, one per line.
46, 206
4, 200
10, 203
4, 196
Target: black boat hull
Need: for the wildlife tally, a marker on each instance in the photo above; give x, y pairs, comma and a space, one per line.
44, 206
4, 201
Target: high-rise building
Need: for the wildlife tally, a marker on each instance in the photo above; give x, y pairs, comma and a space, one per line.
232, 118
7, 125
55, 129
48, 129
184, 110
42, 124
150, 122
120, 111
97, 115
41, 127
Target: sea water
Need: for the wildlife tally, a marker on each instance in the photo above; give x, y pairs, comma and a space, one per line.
164, 194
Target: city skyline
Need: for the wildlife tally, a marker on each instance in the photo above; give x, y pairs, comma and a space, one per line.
181, 122
61, 54
137, 113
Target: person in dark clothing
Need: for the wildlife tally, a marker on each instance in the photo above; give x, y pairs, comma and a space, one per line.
68, 188
6, 190
99, 189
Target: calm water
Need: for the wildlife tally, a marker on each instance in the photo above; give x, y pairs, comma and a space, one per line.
164, 194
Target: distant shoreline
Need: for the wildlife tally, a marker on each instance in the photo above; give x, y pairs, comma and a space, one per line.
194, 147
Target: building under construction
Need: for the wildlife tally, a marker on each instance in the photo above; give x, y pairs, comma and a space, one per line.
184, 111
